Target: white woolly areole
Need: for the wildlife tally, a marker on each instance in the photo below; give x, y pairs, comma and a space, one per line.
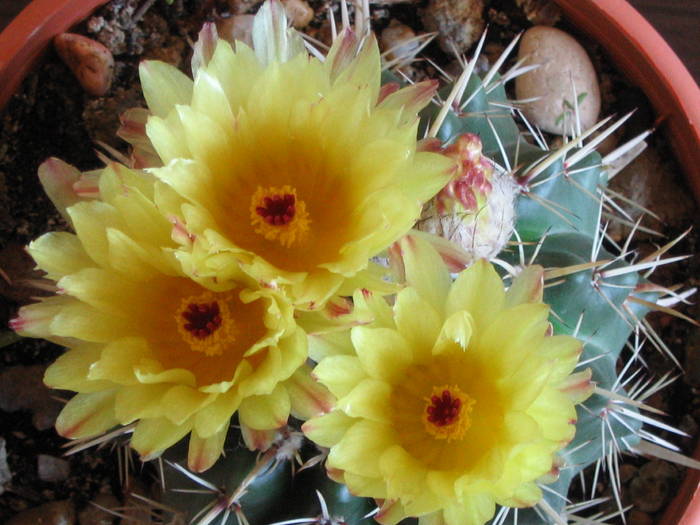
482, 235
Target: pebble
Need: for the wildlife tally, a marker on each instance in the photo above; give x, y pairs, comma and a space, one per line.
52, 469
637, 517
22, 388
400, 40
652, 487
652, 182
561, 59
5, 474
94, 515
299, 12
459, 23
236, 27
91, 62
54, 513
540, 12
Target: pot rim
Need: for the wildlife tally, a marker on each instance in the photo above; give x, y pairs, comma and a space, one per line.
640, 53
29, 34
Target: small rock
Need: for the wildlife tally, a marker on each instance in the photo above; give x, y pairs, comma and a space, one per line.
653, 183
653, 486
459, 23
54, 513
400, 40
91, 62
238, 7
237, 27
52, 469
540, 12
627, 472
564, 66
22, 388
637, 517
5, 474
299, 12
94, 515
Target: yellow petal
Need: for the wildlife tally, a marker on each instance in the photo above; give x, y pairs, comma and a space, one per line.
257, 439
370, 399
209, 98
384, 354
87, 415
360, 448
527, 287
70, 371
215, 416
59, 254
417, 322
404, 475
163, 86
267, 411
340, 373
514, 335
118, 361
181, 401
308, 397
456, 331
478, 290
474, 509
152, 436
428, 175
364, 486
203, 452
75, 319
90, 220
328, 429
168, 137
526, 495
425, 271
139, 402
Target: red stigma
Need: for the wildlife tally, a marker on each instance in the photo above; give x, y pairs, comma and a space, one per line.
278, 209
444, 409
202, 319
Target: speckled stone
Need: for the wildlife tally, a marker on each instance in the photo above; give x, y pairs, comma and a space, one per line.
564, 67
458, 23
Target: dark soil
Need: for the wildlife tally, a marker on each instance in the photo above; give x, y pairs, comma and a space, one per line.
52, 116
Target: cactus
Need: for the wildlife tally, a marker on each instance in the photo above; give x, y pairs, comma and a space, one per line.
598, 297
557, 240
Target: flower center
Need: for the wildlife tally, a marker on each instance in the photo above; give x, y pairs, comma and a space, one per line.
278, 215
205, 323
446, 414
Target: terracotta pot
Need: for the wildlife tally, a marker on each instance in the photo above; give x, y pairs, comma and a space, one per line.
29, 34
647, 60
637, 49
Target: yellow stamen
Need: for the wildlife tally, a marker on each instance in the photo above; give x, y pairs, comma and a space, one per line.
446, 413
278, 215
205, 322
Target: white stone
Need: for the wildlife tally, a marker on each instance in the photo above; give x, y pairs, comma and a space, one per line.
564, 69
399, 41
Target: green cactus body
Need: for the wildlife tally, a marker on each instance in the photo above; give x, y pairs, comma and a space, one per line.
563, 236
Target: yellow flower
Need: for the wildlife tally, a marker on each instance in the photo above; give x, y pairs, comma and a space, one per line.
297, 169
455, 400
148, 344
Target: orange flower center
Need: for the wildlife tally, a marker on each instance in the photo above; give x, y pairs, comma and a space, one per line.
278, 215
205, 322
446, 414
